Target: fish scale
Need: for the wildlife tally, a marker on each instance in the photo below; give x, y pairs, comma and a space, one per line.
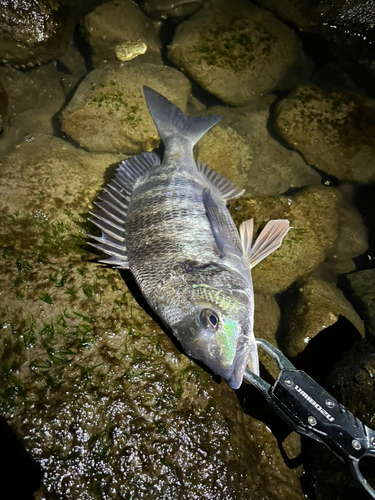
167, 222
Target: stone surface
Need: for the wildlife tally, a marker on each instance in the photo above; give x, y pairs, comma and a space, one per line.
363, 286
163, 9
266, 323
73, 66
34, 100
32, 31
333, 130
313, 217
351, 241
234, 50
116, 23
317, 306
3, 107
94, 389
108, 112
241, 148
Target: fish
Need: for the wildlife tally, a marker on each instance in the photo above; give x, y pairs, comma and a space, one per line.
166, 221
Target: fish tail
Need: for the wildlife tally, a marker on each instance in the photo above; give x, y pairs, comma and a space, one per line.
170, 120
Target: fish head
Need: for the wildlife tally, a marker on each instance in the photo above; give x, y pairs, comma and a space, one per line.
217, 329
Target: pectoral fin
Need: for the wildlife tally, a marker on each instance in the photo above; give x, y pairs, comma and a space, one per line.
222, 226
267, 242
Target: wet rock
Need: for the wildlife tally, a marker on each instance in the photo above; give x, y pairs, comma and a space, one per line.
32, 31
313, 217
316, 306
351, 241
94, 389
363, 287
34, 100
108, 112
3, 107
226, 47
116, 24
73, 65
163, 9
241, 148
334, 131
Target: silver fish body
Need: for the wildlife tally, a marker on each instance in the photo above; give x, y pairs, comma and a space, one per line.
168, 223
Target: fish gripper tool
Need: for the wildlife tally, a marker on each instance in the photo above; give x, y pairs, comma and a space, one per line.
312, 412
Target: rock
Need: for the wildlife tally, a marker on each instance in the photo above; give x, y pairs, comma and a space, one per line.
333, 130
116, 24
108, 112
226, 46
97, 393
351, 241
316, 306
32, 31
74, 67
3, 107
163, 9
241, 148
363, 286
313, 217
34, 99
266, 323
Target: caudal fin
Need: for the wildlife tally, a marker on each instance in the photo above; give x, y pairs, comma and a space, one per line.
169, 119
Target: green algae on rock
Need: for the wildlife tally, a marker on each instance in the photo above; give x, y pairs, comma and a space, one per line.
333, 130
226, 47
313, 217
108, 112
317, 306
116, 23
241, 148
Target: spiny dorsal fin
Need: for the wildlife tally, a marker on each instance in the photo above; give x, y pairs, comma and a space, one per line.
113, 205
222, 226
267, 242
219, 183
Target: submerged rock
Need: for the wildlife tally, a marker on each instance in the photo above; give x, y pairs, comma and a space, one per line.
96, 392
316, 306
313, 217
163, 9
363, 287
108, 112
73, 66
32, 31
3, 107
226, 47
333, 130
116, 24
34, 99
241, 148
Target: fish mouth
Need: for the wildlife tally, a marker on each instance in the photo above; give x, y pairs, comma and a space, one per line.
246, 355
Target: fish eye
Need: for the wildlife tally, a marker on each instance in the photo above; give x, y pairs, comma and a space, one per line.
209, 319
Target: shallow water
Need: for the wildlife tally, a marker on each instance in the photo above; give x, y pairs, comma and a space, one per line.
99, 396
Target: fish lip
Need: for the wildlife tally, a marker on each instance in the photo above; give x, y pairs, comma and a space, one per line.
244, 354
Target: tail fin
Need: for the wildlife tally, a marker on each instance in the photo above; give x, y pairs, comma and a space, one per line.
169, 119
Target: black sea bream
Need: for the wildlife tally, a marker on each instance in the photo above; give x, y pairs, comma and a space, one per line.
168, 223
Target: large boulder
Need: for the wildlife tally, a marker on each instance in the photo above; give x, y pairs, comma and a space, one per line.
108, 112
32, 31
333, 130
120, 31
234, 50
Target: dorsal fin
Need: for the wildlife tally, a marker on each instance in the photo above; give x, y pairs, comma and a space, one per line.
113, 205
218, 183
